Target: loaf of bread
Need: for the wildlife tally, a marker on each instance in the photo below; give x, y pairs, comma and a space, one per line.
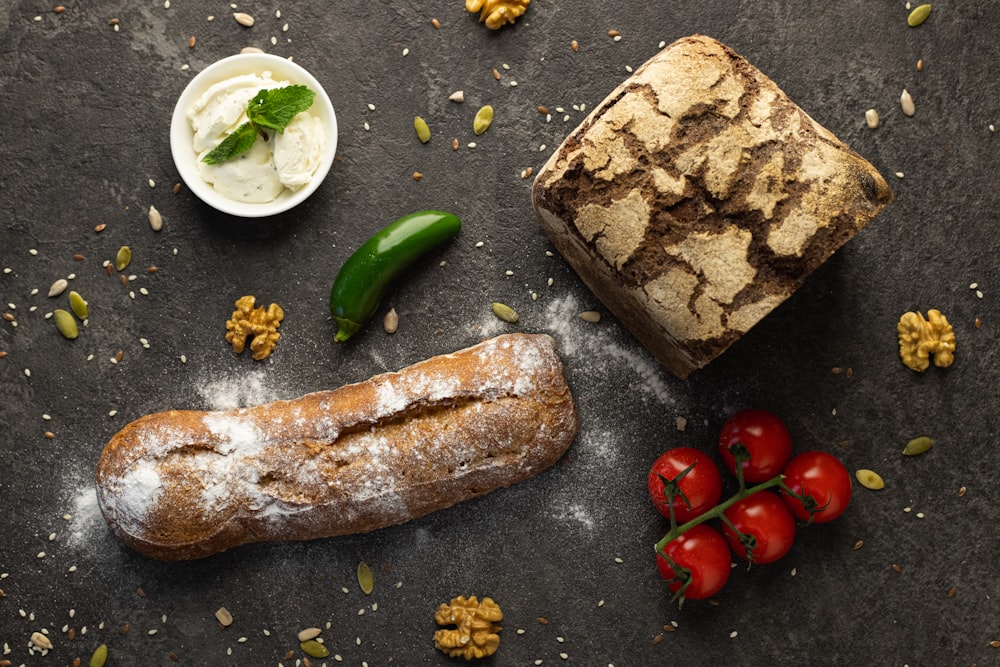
180, 485
697, 197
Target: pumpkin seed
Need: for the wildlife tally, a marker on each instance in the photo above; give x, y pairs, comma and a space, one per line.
423, 131
314, 649
483, 119
505, 312
391, 322
78, 305
918, 15
123, 257
65, 324
100, 656
918, 446
365, 578
870, 479
309, 633
58, 287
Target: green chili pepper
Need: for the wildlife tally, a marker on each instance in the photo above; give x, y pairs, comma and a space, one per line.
358, 288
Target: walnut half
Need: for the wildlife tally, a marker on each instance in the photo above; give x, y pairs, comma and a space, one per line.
476, 627
920, 338
257, 324
496, 13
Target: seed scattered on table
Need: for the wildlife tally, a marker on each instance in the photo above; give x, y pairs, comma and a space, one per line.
906, 102
243, 19
155, 219
224, 617
58, 287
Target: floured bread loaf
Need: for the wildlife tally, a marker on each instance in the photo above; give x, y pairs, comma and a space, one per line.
697, 197
180, 485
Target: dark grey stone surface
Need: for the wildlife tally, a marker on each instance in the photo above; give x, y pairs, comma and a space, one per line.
85, 143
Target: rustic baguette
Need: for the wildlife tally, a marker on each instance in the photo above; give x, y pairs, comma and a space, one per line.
181, 485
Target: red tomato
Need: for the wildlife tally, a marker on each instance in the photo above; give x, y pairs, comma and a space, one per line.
702, 556
766, 521
701, 486
824, 479
765, 439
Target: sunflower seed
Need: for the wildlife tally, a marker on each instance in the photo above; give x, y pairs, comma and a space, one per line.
224, 617
483, 119
41, 641
243, 19
309, 633
391, 322
65, 324
590, 316
423, 130
58, 287
871, 117
505, 312
457, 96
155, 219
906, 102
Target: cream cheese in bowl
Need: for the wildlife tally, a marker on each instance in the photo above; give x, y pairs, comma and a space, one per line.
281, 168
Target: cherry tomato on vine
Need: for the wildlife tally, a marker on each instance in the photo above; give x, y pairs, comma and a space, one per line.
702, 556
824, 479
765, 439
766, 522
696, 491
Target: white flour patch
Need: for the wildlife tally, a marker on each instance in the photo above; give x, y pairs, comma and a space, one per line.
586, 341
238, 391
86, 525
575, 513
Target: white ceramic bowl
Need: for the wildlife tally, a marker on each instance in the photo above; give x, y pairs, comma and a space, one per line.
181, 134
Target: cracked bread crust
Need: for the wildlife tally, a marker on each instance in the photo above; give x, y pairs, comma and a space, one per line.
697, 197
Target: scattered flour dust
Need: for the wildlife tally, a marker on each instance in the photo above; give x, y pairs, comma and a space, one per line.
579, 339
238, 390
85, 525
596, 455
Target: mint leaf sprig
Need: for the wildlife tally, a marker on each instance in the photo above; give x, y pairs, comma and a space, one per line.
270, 108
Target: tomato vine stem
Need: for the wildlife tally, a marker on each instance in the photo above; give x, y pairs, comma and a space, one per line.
717, 511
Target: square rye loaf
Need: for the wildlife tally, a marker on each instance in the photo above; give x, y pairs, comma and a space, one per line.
697, 197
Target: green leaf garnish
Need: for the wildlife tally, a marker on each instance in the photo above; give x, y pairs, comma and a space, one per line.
272, 108
238, 142
276, 107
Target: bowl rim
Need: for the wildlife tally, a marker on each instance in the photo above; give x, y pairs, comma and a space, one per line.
181, 134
